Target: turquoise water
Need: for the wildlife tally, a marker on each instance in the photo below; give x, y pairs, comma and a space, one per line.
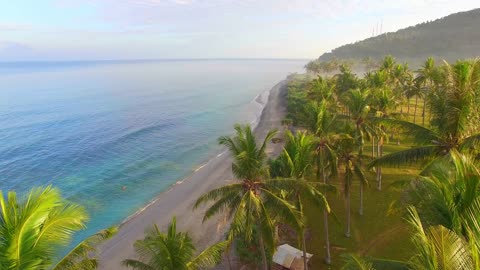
91, 128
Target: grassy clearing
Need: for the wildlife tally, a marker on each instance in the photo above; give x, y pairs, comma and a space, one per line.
377, 233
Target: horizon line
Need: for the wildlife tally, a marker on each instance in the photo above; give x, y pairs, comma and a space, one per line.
160, 59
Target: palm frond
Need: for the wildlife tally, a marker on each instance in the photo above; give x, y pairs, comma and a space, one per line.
354, 262
405, 157
218, 193
209, 257
80, 257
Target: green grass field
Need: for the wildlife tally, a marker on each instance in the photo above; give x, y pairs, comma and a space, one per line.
377, 233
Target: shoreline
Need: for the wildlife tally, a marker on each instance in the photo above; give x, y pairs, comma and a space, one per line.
177, 200
214, 155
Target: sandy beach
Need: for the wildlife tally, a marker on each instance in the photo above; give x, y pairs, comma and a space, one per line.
179, 199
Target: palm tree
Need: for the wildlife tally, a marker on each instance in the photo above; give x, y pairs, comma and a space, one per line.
453, 109
425, 79
321, 89
323, 124
346, 79
173, 251
251, 202
34, 226
296, 162
352, 167
358, 103
446, 194
384, 101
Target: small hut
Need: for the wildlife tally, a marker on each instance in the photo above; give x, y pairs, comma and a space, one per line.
288, 257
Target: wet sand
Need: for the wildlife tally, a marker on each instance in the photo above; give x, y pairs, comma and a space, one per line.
179, 199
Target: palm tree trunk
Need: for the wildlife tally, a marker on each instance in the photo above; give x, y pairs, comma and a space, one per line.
304, 247
262, 249
379, 169
347, 232
408, 107
415, 110
360, 211
302, 234
423, 111
373, 147
328, 258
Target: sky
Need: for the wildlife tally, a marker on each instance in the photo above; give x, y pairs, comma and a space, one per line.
32, 30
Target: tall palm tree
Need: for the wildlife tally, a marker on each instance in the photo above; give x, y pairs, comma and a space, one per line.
425, 78
358, 103
352, 166
296, 162
251, 202
385, 101
34, 226
452, 126
173, 251
323, 124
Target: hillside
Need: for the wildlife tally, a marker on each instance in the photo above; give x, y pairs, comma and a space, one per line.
451, 37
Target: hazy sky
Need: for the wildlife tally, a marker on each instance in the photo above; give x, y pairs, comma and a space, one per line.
126, 29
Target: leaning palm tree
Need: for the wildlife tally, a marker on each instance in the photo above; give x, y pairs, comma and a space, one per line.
296, 162
352, 166
172, 251
34, 226
251, 202
453, 124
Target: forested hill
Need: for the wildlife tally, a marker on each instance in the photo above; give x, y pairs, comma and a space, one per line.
450, 38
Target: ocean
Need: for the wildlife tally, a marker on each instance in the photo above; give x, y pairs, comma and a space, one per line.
112, 135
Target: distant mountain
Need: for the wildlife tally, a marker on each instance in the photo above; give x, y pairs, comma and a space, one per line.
450, 38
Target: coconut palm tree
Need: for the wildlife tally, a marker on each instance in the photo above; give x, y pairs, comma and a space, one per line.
323, 124
173, 251
352, 167
384, 101
445, 195
296, 162
34, 226
358, 102
452, 127
346, 79
321, 89
425, 79
252, 202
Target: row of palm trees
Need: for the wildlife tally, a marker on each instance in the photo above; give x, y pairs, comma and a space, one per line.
371, 108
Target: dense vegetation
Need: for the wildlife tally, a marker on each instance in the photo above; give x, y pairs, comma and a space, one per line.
433, 113
452, 37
